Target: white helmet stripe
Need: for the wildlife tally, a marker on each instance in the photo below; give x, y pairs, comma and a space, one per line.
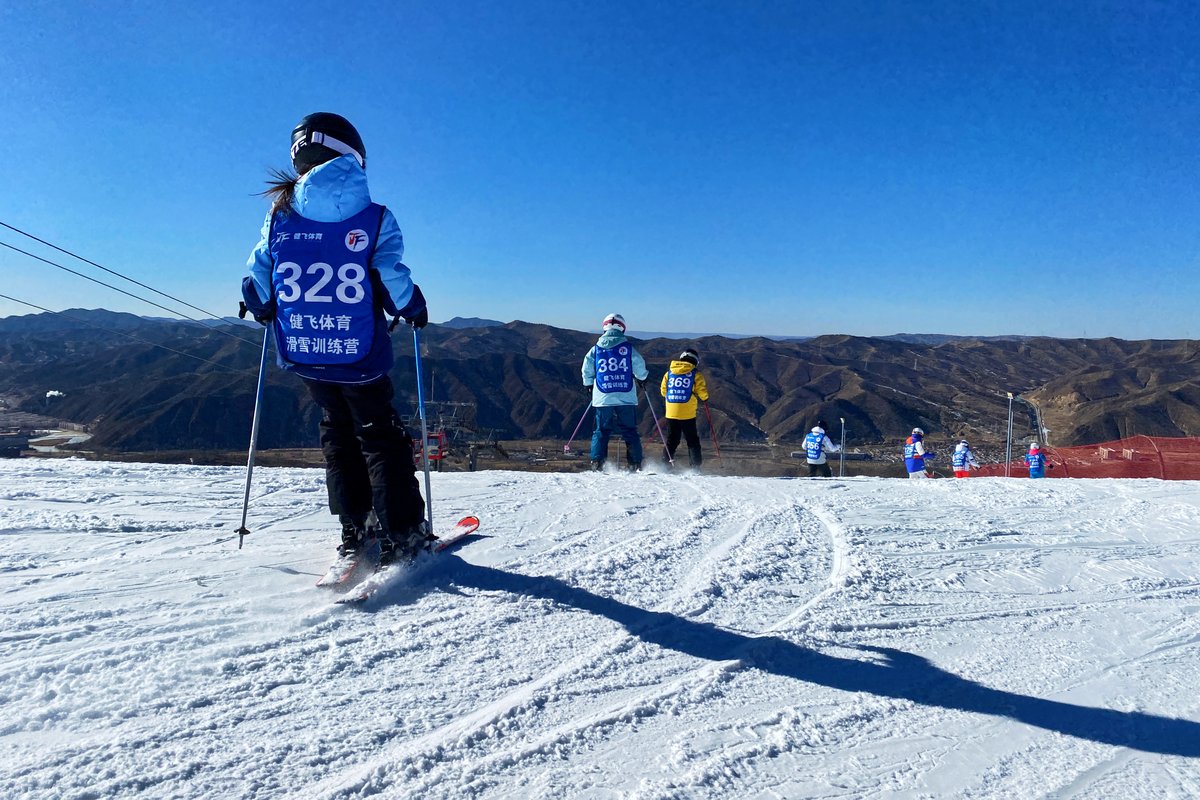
337, 145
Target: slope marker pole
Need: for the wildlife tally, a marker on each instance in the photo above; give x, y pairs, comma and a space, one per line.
842, 452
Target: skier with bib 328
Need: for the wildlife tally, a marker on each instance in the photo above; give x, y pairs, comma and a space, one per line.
681, 387
816, 445
963, 460
915, 454
613, 371
324, 273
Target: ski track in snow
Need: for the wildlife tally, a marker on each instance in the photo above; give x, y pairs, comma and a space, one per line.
614, 635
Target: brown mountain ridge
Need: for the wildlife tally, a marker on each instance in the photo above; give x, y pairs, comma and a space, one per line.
523, 381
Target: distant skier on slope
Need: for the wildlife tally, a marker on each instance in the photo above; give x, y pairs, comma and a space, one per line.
915, 454
330, 327
1036, 461
816, 445
613, 371
963, 460
681, 386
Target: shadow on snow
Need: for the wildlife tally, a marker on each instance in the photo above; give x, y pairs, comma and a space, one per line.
899, 674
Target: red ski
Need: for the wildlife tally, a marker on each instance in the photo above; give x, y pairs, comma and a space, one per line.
462, 529
365, 588
352, 568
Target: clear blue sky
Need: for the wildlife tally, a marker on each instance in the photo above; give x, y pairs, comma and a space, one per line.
783, 168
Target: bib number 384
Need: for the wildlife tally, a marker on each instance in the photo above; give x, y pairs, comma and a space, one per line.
614, 369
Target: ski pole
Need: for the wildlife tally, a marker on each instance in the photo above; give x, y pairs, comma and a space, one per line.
424, 429
567, 446
666, 449
842, 451
713, 431
258, 398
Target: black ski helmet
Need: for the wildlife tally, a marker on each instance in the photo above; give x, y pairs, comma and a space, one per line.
322, 137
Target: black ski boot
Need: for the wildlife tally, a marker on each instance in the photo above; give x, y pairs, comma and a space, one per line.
597, 465
355, 533
406, 545
352, 539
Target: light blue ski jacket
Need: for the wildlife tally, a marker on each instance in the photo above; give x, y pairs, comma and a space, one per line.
612, 338
332, 192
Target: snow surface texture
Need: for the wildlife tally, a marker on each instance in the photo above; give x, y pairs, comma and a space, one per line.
640, 636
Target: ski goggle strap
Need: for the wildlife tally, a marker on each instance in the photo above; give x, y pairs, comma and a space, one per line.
337, 145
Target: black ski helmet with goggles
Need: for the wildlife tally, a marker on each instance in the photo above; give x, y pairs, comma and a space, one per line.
322, 137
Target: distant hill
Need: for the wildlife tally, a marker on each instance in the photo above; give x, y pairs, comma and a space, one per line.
72, 319
149, 384
942, 338
471, 322
684, 337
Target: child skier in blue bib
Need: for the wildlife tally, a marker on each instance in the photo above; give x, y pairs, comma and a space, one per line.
816, 446
613, 371
681, 387
324, 274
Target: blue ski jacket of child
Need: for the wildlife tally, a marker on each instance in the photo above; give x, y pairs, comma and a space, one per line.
334, 192
622, 365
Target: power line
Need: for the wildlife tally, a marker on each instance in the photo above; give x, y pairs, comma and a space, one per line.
122, 333
122, 291
109, 271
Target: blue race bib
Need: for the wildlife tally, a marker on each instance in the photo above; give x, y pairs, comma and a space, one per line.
326, 302
614, 368
679, 387
813, 445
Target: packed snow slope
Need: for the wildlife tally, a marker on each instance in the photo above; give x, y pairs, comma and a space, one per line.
602, 636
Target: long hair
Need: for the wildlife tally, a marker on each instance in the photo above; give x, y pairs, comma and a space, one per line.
280, 188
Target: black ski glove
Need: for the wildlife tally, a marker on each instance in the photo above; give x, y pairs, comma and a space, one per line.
641, 383
262, 318
420, 319
587, 389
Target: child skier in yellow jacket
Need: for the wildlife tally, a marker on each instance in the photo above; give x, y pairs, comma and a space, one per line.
681, 386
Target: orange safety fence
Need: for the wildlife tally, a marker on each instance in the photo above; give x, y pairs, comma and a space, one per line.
1171, 459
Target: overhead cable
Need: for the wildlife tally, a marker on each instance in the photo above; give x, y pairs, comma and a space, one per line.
109, 271
127, 294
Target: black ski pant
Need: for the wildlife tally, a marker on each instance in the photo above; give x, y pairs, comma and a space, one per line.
820, 470
368, 455
687, 427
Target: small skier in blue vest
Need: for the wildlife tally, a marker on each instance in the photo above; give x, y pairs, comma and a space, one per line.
325, 272
816, 445
613, 371
1036, 461
915, 454
963, 460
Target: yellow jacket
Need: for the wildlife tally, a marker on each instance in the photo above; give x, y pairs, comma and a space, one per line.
686, 409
